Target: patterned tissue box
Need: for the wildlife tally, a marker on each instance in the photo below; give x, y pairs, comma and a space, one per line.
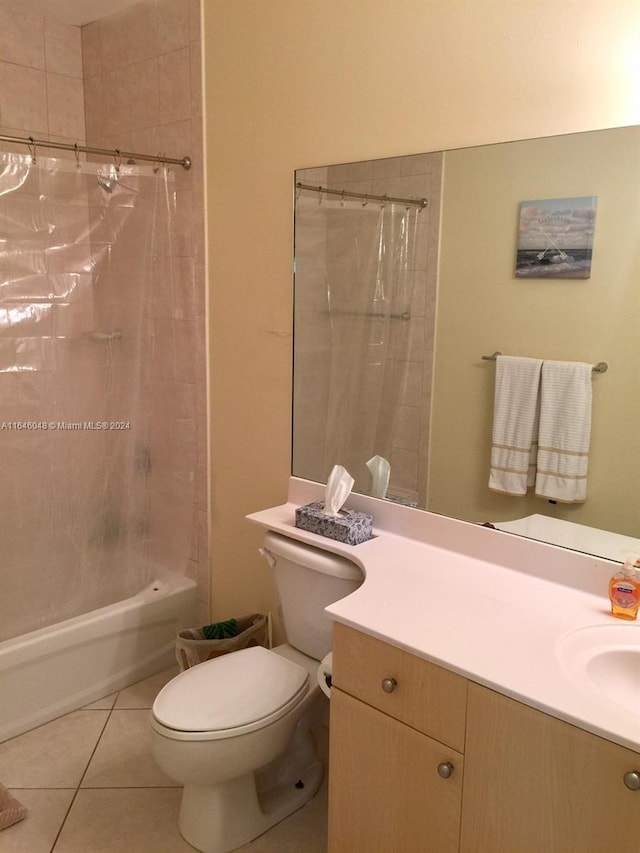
350, 526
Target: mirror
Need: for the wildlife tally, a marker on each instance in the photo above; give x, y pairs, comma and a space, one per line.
398, 304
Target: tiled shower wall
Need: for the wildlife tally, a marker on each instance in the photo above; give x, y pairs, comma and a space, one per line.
41, 91
132, 81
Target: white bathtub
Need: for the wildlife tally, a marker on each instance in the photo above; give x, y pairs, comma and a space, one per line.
53, 670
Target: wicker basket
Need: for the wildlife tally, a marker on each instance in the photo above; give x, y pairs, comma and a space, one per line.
196, 645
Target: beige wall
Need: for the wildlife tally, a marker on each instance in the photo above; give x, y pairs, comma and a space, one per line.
293, 84
482, 308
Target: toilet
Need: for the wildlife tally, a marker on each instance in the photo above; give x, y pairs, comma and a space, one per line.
238, 731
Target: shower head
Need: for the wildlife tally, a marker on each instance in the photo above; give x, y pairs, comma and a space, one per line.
108, 180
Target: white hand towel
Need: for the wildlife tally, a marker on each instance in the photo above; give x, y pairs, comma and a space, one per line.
515, 424
565, 431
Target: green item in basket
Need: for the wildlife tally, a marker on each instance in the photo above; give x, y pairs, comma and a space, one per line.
221, 630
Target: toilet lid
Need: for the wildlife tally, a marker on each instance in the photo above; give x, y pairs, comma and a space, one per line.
243, 690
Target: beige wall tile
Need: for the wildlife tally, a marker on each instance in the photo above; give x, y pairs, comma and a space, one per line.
22, 39
63, 49
91, 36
176, 137
65, 106
23, 98
146, 139
141, 92
129, 36
174, 29
175, 85
95, 118
115, 103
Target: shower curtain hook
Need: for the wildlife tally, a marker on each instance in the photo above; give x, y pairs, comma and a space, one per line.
77, 153
342, 202
31, 144
116, 159
157, 162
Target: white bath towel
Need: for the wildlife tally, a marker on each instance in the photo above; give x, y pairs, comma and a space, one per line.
565, 431
515, 424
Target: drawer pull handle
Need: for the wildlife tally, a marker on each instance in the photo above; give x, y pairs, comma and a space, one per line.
389, 685
632, 780
445, 769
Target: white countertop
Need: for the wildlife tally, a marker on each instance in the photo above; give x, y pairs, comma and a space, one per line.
487, 605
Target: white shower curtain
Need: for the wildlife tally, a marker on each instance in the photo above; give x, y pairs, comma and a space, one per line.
87, 289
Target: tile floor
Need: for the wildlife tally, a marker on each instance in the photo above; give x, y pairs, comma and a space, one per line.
91, 786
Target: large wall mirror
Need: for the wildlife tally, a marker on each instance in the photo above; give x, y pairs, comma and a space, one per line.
398, 302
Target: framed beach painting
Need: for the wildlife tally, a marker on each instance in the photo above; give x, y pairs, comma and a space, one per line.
555, 238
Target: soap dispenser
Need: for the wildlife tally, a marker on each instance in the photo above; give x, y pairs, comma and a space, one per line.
624, 589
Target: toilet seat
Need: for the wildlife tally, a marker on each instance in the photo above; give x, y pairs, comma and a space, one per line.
230, 695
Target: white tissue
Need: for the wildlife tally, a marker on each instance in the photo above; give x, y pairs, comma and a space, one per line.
380, 472
339, 487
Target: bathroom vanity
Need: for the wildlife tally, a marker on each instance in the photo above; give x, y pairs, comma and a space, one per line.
484, 700
406, 733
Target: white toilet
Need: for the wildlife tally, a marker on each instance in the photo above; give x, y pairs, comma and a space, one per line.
236, 731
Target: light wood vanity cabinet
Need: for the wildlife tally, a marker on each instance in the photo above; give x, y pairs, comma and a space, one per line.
535, 783
396, 734
532, 783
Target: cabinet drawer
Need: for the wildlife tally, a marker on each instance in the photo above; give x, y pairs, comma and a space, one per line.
425, 696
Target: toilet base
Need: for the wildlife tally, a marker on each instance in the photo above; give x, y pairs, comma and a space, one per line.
221, 818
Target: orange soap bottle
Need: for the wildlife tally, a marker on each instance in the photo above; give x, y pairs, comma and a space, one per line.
624, 590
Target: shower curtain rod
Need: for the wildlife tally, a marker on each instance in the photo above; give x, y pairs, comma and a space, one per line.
185, 162
418, 202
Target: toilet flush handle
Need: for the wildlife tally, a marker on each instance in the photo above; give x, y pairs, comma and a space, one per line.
271, 560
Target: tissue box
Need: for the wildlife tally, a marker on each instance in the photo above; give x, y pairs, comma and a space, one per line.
350, 526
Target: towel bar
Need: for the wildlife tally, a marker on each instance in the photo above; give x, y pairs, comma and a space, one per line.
600, 367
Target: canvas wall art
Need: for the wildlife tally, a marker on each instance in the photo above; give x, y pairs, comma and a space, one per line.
555, 238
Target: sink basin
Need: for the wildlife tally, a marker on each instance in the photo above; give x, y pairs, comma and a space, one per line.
605, 658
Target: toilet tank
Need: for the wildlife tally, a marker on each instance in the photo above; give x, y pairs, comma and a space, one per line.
308, 580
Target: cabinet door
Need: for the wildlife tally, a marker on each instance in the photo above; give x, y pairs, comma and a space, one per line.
385, 792
535, 784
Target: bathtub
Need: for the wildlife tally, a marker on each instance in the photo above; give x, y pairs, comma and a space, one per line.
58, 669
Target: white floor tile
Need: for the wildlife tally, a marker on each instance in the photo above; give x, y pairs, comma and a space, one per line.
142, 694
104, 704
305, 831
37, 832
126, 804
123, 757
54, 755
140, 820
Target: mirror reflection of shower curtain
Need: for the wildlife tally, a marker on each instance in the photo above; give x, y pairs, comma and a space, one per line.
365, 267
86, 284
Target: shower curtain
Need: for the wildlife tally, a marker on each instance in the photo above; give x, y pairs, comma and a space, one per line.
355, 277
90, 479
